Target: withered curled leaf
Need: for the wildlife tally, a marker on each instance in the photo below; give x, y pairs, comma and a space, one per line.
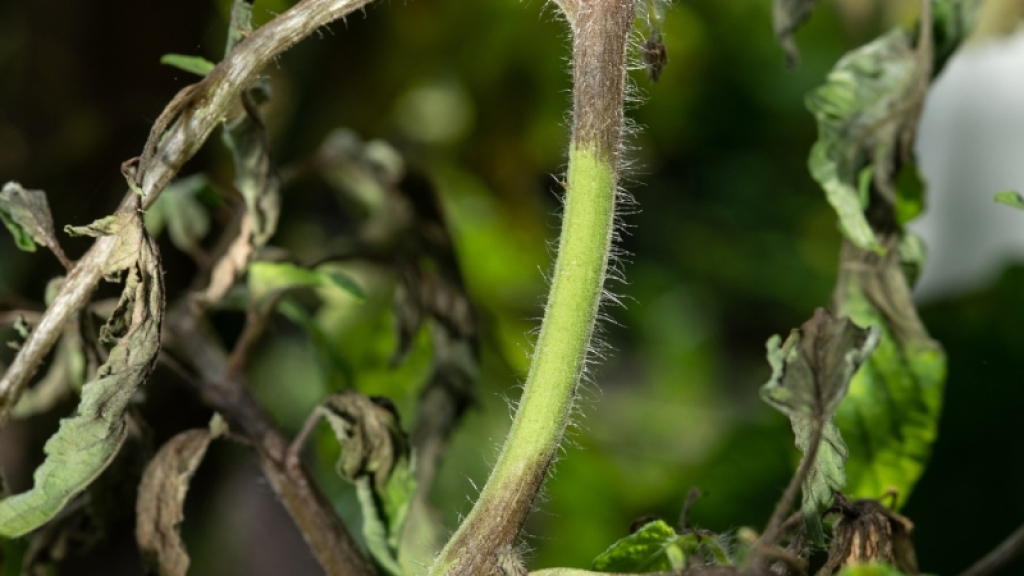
159, 508
87, 442
375, 456
868, 533
811, 374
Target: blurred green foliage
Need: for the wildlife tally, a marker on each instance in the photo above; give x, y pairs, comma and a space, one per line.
731, 241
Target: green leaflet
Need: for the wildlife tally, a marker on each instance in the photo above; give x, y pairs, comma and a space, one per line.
269, 278
656, 547
862, 110
193, 64
890, 416
87, 442
811, 373
1010, 198
26, 213
376, 457
181, 213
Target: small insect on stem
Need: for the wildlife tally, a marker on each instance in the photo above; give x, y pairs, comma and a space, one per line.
652, 51
654, 55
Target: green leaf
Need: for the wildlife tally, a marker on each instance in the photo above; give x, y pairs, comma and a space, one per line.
890, 416
862, 110
654, 547
269, 278
336, 371
811, 373
193, 64
178, 210
787, 16
1010, 198
86, 443
375, 456
26, 213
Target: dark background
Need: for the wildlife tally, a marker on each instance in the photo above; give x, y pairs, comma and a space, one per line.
732, 242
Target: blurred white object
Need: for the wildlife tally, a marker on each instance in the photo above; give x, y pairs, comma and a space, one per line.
970, 146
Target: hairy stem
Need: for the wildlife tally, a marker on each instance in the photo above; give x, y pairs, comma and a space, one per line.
483, 544
177, 135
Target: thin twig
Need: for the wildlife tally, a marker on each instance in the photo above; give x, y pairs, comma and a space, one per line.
993, 562
257, 318
189, 120
785, 504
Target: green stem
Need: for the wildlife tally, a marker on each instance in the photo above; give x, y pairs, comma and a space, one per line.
483, 543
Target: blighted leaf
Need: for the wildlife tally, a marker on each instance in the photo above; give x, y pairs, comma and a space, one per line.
255, 176
159, 508
26, 213
787, 16
86, 443
867, 533
867, 101
267, 278
181, 213
811, 373
375, 456
1010, 198
890, 416
193, 64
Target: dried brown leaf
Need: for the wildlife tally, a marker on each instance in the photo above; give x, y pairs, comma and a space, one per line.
159, 508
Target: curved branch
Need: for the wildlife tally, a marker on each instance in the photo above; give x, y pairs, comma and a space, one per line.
1001, 556
484, 543
177, 135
